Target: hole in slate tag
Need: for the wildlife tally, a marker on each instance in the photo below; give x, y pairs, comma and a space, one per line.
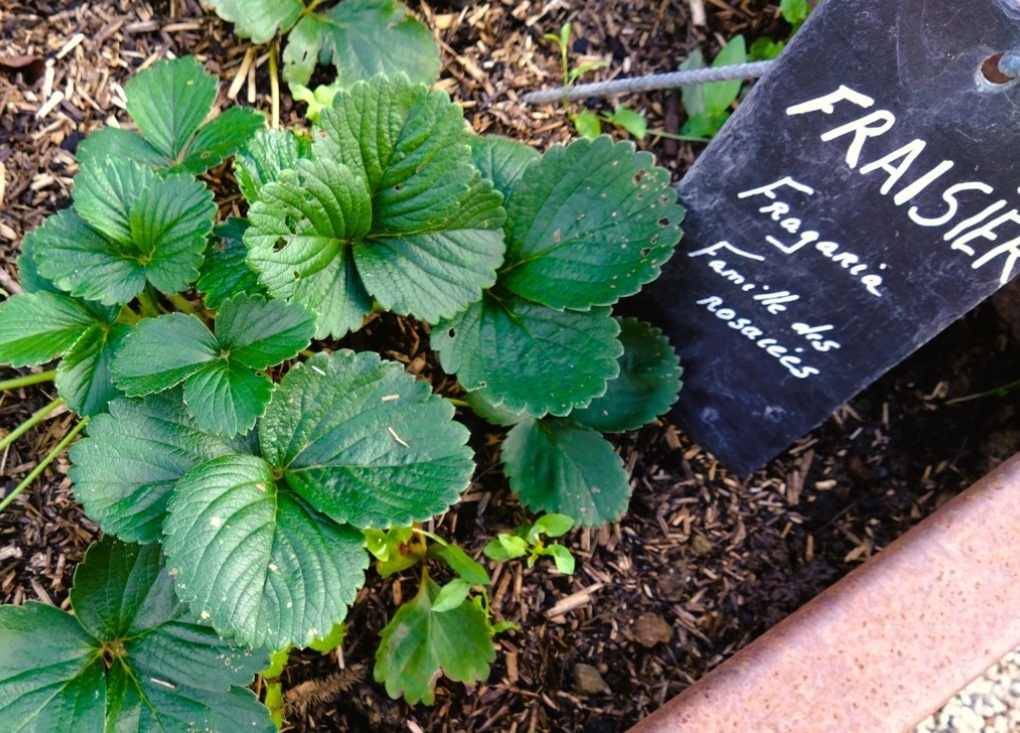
988, 76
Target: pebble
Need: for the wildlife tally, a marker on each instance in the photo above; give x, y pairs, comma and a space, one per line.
651, 629
990, 704
588, 681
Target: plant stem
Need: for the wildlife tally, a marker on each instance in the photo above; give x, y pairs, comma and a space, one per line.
50, 457
128, 316
183, 305
147, 303
37, 417
671, 136
274, 85
27, 380
431, 536
457, 403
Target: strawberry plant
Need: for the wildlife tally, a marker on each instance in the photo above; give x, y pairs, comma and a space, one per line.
255, 478
132, 657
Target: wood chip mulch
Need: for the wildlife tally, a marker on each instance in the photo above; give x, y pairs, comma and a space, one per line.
703, 562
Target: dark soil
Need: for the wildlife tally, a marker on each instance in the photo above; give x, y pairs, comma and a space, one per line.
714, 557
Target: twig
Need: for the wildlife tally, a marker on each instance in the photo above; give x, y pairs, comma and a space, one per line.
8, 283
671, 80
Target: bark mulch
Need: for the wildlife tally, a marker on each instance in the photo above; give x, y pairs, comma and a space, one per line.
703, 562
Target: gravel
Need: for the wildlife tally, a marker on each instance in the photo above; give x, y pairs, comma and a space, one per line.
990, 704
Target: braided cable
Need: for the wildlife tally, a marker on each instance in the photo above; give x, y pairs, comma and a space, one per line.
671, 80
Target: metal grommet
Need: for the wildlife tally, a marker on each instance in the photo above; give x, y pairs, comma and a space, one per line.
998, 72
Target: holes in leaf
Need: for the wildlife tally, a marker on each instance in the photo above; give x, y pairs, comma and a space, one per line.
279, 244
297, 275
664, 199
639, 175
645, 251
452, 333
291, 223
398, 187
664, 222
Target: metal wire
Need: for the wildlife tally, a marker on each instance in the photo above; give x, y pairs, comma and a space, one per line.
671, 80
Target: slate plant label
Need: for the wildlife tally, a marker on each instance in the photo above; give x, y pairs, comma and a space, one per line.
862, 197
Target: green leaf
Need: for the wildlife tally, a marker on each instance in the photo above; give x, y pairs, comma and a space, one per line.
703, 126
498, 414
693, 95
83, 378
631, 121
226, 397
555, 465
113, 142
382, 544
396, 549
220, 138
155, 227
721, 94
37, 328
125, 470
51, 671
506, 547
332, 640
225, 271
564, 560
501, 160
222, 390
319, 99
77, 258
462, 564
162, 352
369, 37
587, 124
529, 357
364, 442
403, 216
553, 525
264, 156
647, 386
304, 47
794, 12
169, 101
104, 194
260, 333
28, 270
255, 559
589, 224
131, 659
765, 49
258, 20
451, 595
419, 644
298, 240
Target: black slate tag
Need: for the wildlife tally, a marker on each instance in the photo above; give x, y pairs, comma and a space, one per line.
861, 198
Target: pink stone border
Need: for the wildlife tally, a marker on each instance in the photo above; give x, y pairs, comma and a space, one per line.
889, 643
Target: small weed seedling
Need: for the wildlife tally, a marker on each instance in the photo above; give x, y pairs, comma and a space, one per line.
248, 480
708, 105
587, 123
527, 540
794, 12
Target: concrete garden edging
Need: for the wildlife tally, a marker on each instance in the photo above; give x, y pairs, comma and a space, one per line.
889, 643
